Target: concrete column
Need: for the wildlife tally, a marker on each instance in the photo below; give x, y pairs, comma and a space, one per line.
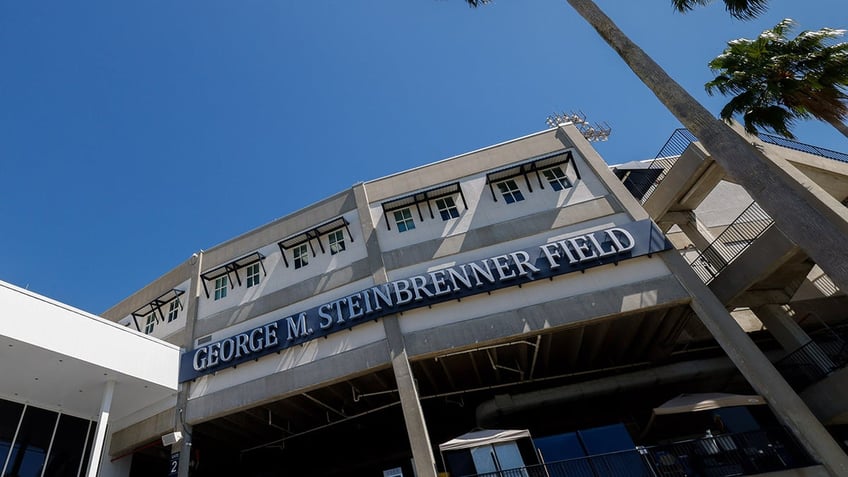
184, 446
791, 337
100, 431
413, 415
758, 370
782, 326
702, 238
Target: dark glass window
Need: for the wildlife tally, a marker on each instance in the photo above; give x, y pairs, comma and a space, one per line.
30, 450
67, 450
10, 415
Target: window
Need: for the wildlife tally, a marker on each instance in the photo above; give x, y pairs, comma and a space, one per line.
557, 178
221, 287
510, 191
151, 322
403, 219
447, 208
252, 275
301, 256
336, 241
174, 310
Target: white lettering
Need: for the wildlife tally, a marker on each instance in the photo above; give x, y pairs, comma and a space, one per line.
241, 345
478, 270
326, 318
438, 280
383, 293
271, 335
296, 329
419, 286
403, 295
613, 235
553, 256
454, 276
256, 340
354, 308
503, 267
522, 262
228, 349
582, 248
599, 247
214, 348
199, 362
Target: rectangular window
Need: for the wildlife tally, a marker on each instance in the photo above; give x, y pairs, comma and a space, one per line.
174, 310
557, 178
252, 275
510, 191
447, 208
221, 287
301, 256
337, 243
151, 322
403, 219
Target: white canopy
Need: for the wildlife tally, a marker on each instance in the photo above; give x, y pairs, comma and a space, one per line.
484, 437
705, 402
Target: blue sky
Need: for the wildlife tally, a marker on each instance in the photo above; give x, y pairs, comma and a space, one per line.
133, 134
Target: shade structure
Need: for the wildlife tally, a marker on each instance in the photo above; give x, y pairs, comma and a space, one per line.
706, 401
484, 437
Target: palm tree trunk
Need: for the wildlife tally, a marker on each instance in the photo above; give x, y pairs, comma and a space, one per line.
841, 127
804, 212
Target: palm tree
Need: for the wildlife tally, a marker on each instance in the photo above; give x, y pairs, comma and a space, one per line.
806, 215
741, 9
776, 80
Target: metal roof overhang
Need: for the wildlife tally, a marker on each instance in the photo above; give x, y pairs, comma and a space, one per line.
314, 233
423, 196
540, 164
232, 267
156, 305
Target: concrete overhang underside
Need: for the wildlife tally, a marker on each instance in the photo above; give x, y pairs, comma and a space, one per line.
60, 358
609, 369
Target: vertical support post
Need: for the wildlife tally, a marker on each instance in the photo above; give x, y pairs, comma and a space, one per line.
413, 414
100, 431
193, 300
416, 427
758, 370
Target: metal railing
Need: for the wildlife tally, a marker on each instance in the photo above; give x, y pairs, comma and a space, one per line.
745, 453
814, 361
681, 138
671, 150
800, 146
747, 227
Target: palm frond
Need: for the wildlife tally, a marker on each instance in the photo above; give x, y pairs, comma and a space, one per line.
741, 9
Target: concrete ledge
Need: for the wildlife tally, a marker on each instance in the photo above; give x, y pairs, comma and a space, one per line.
291, 381
153, 427
531, 320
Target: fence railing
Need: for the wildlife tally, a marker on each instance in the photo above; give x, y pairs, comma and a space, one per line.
729, 244
745, 453
814, 361
671, 150
800, 146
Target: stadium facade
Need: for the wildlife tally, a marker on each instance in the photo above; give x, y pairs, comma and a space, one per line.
522, 309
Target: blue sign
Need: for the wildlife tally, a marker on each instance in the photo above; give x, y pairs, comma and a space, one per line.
572, 254
174, 465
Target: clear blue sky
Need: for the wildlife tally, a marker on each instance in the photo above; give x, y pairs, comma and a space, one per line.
133, 134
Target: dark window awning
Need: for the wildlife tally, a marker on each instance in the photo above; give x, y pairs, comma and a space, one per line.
156, 305
425, 196
534, 166
233, 268
313, 233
